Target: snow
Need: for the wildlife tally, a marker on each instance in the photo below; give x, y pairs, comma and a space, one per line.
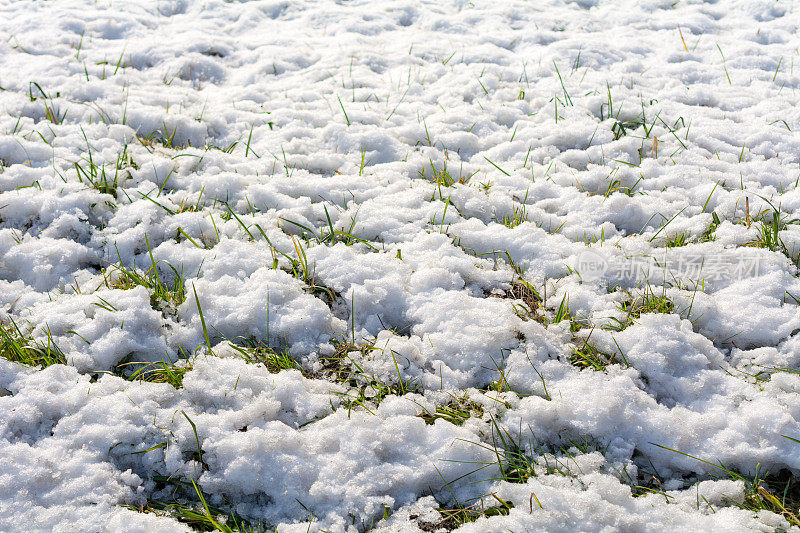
205, 141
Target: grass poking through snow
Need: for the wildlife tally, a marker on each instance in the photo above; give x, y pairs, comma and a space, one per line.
590, 356
190, 506
20, 348
364, 390
457, 411
255, 352
778, 493
634, 307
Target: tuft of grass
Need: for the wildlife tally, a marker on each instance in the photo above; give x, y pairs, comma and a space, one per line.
119, 276
456, 517
457, 411
590, 356
329, 235
648, 303
187, 206
634, 307
163, 371
96, 176
563, 313
709, 234
231, 147
622, 127
677, 240
769, 224
300, 270
191, 507
364, 390
530, 307
518, 216
163, 138
519, 459
778, 493
298, 265
51, 110
442, 177
499, 366
254, 351
19, 348
615, 185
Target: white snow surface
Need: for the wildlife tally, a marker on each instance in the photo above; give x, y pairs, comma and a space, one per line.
228, 132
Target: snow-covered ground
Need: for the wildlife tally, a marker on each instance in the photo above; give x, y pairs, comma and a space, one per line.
536, 260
